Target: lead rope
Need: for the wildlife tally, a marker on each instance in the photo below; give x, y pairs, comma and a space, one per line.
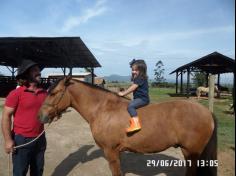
23, 145
9, 169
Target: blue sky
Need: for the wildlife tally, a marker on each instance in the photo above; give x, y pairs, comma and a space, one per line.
174, 31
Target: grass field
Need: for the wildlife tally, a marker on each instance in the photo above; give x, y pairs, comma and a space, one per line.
160, 94
225, 120
226, 123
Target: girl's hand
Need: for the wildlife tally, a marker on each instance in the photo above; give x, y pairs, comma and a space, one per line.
121, 94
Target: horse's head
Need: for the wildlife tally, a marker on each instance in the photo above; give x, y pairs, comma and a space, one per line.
57, 101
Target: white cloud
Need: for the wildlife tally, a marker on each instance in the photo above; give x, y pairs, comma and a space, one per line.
170, 36
137, 40
177, 46
74, 21
195, 33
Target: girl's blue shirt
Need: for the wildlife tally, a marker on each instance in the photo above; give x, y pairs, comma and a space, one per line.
142, 90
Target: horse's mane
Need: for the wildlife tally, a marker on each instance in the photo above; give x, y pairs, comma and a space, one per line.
100, 88
85, 83
54, 84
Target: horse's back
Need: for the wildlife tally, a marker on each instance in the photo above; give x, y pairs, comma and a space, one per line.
170, 124
173, 109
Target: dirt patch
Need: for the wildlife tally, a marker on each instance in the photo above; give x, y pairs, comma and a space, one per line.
226, 163
72, 151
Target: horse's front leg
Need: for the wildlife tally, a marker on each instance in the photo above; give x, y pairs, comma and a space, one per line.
113, 157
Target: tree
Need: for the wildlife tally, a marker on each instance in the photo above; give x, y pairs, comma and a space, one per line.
199, 79
159, 72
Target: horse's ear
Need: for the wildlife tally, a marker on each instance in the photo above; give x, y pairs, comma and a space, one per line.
67, 80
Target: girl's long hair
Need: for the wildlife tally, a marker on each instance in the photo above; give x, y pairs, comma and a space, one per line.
142, 68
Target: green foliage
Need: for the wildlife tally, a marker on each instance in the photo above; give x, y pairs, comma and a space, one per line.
199, 79
159, 72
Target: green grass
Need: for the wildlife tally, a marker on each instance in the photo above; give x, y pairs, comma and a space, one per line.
160, 94
226, 123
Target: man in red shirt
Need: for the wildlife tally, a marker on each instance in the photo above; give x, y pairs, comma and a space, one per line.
23, 104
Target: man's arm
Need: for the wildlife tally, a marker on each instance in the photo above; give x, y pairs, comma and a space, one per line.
6, 128
129, 90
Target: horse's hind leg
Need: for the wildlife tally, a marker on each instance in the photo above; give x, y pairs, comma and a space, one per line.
191, 170
113, 157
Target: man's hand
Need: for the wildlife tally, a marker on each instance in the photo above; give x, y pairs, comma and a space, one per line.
6, 128
9, 146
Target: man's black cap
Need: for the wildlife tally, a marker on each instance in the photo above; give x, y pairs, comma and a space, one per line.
24, 66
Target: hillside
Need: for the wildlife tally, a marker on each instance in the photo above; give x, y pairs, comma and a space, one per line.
118, 78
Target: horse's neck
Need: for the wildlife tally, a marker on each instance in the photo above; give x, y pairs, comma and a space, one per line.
88, 101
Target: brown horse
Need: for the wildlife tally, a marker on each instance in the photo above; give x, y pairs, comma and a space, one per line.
181, 123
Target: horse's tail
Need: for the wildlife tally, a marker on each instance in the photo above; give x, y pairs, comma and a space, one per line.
209, 155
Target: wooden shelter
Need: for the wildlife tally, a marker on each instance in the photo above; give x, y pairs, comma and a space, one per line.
49, 52
214, 63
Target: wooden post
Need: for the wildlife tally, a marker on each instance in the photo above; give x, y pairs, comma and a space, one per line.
218, 80
207, 78
64, 71
234, 93
13, 72
211, 92
92, 72
218, 86
176, 87
70, 72
181, 83
188, 81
